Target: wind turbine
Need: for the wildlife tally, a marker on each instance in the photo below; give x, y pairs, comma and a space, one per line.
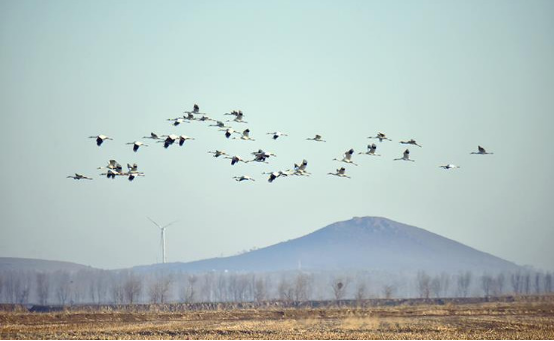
162, 229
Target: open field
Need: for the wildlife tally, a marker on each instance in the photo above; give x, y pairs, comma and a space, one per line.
521, 319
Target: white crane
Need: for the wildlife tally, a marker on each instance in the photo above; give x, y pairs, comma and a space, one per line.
112, 173
219, 124
317, 138
184, 138
238, 116
245, 135
195, 110
136, 145
169, 140
78, 176
152, 136
277, 134
300, 169
229, 132
100, 139
405, 157
449, 166
411, 141
371, 148
235, 159
244, 178
218, 153
261, 155
347, 158
340, 173
275, 175
481, 151
162, 229
133, 172
177, 121
380, 136
112, 165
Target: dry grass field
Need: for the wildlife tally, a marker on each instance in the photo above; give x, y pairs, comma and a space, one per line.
521, 319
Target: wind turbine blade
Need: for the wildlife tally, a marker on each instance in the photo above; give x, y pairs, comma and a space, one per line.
155, 223
173, 222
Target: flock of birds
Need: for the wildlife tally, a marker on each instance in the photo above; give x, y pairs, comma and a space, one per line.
114, 169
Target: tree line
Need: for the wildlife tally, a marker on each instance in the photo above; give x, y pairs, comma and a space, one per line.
128, 287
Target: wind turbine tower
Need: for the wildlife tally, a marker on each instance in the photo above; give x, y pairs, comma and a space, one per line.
162, 230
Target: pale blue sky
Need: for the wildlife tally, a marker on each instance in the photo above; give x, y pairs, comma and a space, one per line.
450, 74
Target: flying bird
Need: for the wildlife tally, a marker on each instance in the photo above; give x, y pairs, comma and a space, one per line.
275, 175
243, 178
112, 173
218, 153
406, 156
195, 110
317, 138
177, 121
100, 139
301, 169
169, 140
78, 176
261, 155
184, 138
235, 159
371, 148
113, 165
136, 145
380, 136
412, 141
481, 151
340, 173
245, 135
277, 134
347, 158
449, 166
152, 136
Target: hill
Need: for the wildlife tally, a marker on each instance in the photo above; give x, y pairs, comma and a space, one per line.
368, 243
29, 264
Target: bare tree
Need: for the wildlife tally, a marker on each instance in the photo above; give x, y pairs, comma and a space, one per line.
23, 288
188, 291
548, 282
537, 284
302, 287
221, 293
361, 292
207, 290
463, 283
388, 290
436, 286
116, 289
159, 288
260, 291
98, 286
527, 283
43, 287
63, 287
423, 284
339, 286
285, 290
132, 288
1, 285
516, 281
499, 284
487, 284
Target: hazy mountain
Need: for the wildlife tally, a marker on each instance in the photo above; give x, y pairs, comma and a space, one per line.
369, 243
29, 264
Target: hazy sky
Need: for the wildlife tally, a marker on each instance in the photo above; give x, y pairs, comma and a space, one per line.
450, 74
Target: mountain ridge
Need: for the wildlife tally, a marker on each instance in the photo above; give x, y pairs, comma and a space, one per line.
363, 243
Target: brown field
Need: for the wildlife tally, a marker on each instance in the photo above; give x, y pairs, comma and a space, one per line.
520, 319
